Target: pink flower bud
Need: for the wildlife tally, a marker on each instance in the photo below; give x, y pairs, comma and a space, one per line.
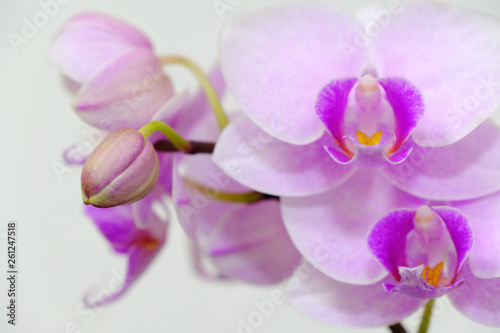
112, 68
124, 168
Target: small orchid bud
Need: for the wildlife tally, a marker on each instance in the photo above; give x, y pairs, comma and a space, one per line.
124, 168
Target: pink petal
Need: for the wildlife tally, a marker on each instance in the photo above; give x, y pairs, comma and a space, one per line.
331, 106
464, 170
407, 105
244, 242
478, 298
276, 61
332, 227
484, 214
254, 158
119, 226
347, 305
139, 260
413, 284
387, 240
460, 231
251, 244
126, 93
89, 41
116, 225
452, 56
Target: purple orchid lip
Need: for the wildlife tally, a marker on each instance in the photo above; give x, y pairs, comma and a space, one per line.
439, 235
413, 284
382, 146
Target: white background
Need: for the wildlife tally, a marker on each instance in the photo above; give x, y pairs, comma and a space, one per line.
60, 251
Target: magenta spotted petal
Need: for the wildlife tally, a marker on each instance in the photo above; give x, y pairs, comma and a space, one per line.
331, 105
407, 105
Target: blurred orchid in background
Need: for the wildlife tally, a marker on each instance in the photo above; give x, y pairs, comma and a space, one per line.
362, 171
112, 65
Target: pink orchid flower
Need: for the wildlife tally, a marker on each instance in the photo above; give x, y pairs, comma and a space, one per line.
113, 69
425, 253
134, 230
240, 241
427, 78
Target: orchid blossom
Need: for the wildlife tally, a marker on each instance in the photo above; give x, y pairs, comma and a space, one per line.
366, 154
327, 106
425, 253
242, 236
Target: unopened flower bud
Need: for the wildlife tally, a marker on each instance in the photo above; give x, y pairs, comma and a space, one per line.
124, 168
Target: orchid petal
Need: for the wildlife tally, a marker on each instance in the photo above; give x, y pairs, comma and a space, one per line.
141, 245
256, 159
407, 105
460, 232
330, 229
331, 106
433, 46
247, 242
126, 93
90, 41
139, 260
464, 170
387, 240
414, 285
478, 298
275, 62
251, 244
483, 214
116, 225
347, 305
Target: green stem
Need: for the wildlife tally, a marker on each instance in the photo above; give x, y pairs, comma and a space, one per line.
205, 83
174, 137
245, 197
426, 318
